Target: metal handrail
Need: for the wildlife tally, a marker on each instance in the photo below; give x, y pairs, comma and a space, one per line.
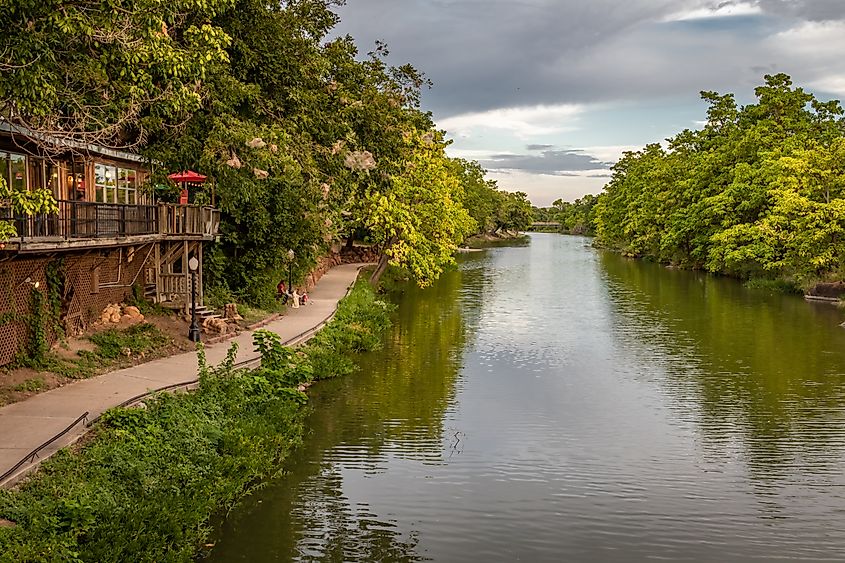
34, 453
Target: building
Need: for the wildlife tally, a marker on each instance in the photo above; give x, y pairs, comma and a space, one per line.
108, 237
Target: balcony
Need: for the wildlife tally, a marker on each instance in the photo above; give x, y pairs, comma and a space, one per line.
80, 224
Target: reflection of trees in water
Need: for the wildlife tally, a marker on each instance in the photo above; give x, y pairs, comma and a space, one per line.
765, 368
393, 407
330, 530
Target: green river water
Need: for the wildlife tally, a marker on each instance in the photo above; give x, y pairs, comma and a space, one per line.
551, 402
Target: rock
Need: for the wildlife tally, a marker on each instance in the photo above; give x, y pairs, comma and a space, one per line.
132, 311
115, 318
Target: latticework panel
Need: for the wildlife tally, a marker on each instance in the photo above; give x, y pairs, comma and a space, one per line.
91, 282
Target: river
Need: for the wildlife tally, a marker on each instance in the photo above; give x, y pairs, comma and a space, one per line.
552, 402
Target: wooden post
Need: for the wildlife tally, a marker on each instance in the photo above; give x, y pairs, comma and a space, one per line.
200, 298
157, 259
187, 272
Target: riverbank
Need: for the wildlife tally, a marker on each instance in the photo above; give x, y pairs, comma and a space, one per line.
145, 483
487, 239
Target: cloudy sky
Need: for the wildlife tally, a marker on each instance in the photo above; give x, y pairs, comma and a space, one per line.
546, 94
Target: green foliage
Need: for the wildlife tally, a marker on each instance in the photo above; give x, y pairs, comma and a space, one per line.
103, 72
30, 385
419, 221
30, 202
35, 353
357, 327
137, 339
757, 193
576, 218
777, 286
145, 487
514, 213
309, 142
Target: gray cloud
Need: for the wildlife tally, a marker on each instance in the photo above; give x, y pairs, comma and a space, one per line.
557, 162
487, 54
538, 147
814, 10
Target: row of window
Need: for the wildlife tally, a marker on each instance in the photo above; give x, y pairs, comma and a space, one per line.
115, 184
112, 184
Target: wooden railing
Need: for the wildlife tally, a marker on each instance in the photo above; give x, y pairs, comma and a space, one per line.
173, 284
188, 220
85, 220
82, 219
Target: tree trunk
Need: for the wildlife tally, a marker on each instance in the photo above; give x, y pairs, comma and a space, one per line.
350, 241
382, 266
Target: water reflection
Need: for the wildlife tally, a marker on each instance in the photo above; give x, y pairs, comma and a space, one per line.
368, 430
553, 403
759, 373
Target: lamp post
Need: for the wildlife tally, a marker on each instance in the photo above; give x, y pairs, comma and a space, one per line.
291, 256
194, 331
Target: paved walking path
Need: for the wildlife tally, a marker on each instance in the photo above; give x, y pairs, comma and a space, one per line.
26, 425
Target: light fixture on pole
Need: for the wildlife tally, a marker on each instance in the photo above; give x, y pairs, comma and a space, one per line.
291, 255
194, 331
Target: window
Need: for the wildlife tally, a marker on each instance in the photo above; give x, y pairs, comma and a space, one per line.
15, 171
105, 183
44, 174
115, 184
76, 181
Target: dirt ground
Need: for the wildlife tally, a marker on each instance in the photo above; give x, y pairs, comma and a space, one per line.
21, 383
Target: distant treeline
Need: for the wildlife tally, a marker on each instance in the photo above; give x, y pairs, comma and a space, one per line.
758, 192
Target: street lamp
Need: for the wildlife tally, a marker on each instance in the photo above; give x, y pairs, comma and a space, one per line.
194, 331
291, 256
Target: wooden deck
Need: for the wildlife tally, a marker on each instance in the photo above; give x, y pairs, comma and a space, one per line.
84, 225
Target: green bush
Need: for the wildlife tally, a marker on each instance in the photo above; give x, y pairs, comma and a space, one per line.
142, 337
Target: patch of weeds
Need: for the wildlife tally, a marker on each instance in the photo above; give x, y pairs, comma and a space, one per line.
357, 327
30, 385
139, 339
252, 315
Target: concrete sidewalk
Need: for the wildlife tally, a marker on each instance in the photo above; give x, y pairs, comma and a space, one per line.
24, 426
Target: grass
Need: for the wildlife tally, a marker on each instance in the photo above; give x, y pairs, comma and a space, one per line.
30, 385
112, 348
146, 484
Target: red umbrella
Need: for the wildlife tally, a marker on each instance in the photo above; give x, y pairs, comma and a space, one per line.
188, 176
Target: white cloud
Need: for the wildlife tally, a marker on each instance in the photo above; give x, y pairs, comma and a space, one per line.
716, 10
543, 189
816, 49
813, 38
523, 122
608, 153
832, 84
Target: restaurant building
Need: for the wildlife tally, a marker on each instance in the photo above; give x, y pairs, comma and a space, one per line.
109, 236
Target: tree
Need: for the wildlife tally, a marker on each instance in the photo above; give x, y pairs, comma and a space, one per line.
514, 213
757, 192
103, 72
419, 221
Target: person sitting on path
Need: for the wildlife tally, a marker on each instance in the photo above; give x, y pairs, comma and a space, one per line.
282, 292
